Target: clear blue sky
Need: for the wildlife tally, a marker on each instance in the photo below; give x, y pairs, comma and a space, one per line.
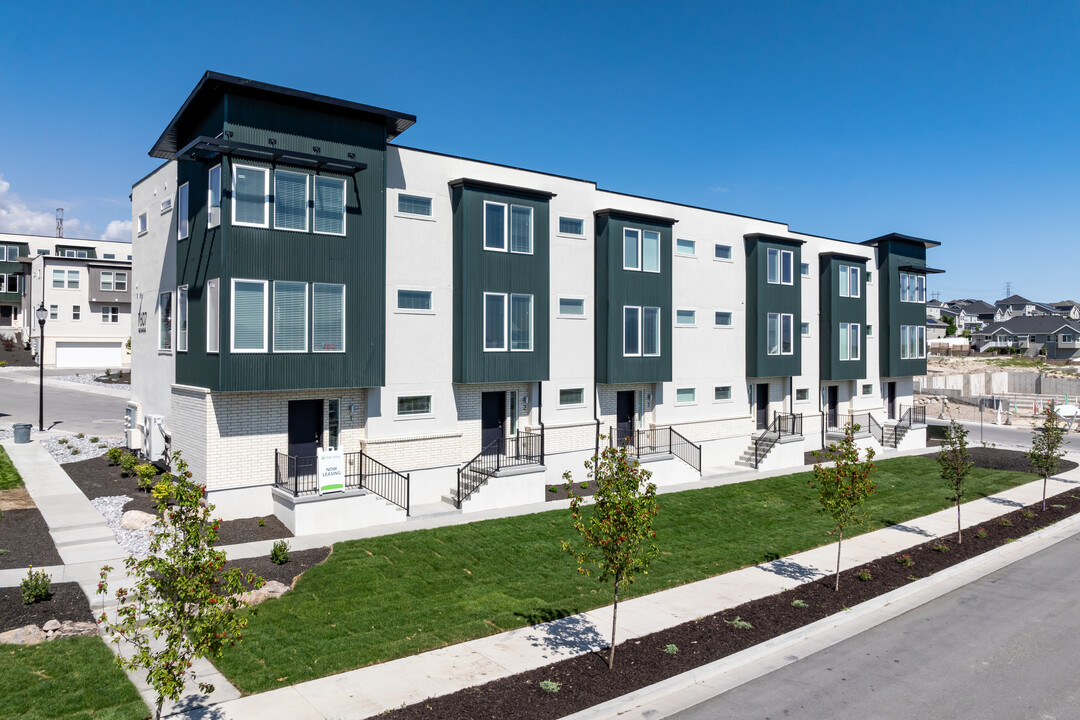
952, 121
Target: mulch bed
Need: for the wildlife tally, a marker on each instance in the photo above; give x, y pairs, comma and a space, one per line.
585, 681
234, 532
117, 378
558, 491
15, 354
65, 602
299, 561
24, 534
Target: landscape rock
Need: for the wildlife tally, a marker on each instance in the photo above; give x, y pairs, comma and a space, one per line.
73, 628
272, 589
53, 624
137, 520
27, 635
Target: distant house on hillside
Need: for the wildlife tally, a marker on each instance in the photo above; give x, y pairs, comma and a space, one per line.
1058, 337
972, 314
1017, 306
935, 329
1067, 308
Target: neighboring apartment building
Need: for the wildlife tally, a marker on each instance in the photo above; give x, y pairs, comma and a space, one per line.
85, 284
467, 324
1050, 335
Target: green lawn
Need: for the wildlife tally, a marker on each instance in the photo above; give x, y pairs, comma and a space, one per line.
9, 476
67, 679
387, 597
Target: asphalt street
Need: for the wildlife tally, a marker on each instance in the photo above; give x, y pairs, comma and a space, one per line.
1004, 435
1002, 647
68, 409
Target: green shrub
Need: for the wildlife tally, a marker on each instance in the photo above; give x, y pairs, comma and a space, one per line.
62, 441
146, 473
81, 436
94, 439
163, 491
671, 649
3, 363
75, 451
128, 462
262, 522
550, 686
35, 586
279, 554
114, 455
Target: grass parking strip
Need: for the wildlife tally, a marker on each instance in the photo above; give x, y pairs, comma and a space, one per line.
9, 476
386, 597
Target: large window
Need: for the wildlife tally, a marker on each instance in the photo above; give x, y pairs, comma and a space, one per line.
328, 317
213, 197
181, 318
165, 321
251, 196
329, 205
111, 281
641, 250
182, 222
521, 322
9, 283
631, 249
780, 266
912, 342
849, 281
290, 201
213, 309
73, 279
9, 253
497, 226
248, 316
850, 341
780, 331
641, 331
521, 234
290, 316
494, 321
912, 288
494, 226
58, 278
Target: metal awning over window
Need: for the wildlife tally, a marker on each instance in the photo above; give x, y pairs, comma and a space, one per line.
207, 148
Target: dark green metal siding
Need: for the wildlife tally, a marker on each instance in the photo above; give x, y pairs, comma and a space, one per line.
8, 268
763, 298
616, 288
477, 271
90, 252
893, 313
357, 260
835, 310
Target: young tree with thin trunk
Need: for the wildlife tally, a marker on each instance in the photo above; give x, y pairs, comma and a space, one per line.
182, 593
843, 486
617, 536
954, 461
1046, 441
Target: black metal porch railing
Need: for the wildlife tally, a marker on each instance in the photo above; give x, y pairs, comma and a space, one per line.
685, 450
657, 441
525, 448
763, 443
852, 420
788, 423
299, 476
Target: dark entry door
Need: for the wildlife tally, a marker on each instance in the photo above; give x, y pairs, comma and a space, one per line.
624, 417
761, 404
5, 316
305, 433
492, 422
890, 388
833, 403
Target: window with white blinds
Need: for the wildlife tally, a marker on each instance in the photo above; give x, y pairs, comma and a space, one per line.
165, 321
521, 239
521, 322
328, 317
251, 190
181, 318
212, 313
249, 316
290, 200
329, 206
290, 316
182, 222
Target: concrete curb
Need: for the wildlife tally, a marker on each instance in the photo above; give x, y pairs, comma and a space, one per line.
691, 688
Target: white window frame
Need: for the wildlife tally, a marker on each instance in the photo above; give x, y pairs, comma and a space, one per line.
142, 224
731, 317
414, 416
867, 389
505, 323
559, 231
510, 229
344, 207
805, 329
848, 285
4, 282
570, 316
108, 312
166, 205
62, 275
659, 251
639, 258
183, 222
730, 251
213, 340
344, 318
532, 321
659, 330
181, 330
73, 280
693, 317
693, 247
853, 348
213, 219
691, 401
76, 313
101, 281
117, 275
172, 322
266, 197
398, 212
307, 319
788, 320
232, 316
562, 405
802, 390
804, 269
729, 398
413, 311
505, 227
638, 353
307, 201
54, 312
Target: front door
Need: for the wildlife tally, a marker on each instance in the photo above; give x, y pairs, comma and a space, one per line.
492, 422
305, 433
833, 405
624, 417
761, 404
5, 316
890, 388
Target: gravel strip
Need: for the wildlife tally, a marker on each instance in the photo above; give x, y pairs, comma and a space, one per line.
136, 542
65, 452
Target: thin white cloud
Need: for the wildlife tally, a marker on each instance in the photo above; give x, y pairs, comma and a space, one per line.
18, 217
119, 230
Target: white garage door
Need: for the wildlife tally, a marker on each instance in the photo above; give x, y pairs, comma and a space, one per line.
89, 355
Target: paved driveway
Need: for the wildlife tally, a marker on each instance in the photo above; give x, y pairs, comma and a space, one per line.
69, 407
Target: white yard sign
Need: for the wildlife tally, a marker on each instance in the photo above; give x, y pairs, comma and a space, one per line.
331, 466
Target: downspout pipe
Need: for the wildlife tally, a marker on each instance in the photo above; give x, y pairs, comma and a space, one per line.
540, 415
596, 417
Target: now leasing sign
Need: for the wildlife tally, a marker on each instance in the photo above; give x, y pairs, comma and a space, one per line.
331, 466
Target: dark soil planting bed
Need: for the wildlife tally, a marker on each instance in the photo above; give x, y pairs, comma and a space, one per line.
65, 602
299, 561
585, 681
25, 536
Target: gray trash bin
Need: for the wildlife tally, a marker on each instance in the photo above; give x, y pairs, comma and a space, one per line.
22, 432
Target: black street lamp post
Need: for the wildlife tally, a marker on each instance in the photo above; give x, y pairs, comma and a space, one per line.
42, 314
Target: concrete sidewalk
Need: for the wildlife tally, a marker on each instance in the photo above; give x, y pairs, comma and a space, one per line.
370, 690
